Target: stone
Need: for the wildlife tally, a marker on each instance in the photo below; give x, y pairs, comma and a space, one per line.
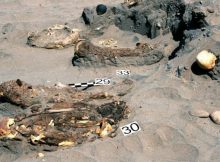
198, 17
199, 113
210, 10
215, 116
88, 16
206, 60
149, 18
40, 155
101, 9
199, 12
180, 70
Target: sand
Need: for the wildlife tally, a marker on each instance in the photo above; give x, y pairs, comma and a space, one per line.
160, 101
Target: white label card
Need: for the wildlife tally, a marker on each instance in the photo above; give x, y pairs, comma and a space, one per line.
123, 72
102, 81
130, 128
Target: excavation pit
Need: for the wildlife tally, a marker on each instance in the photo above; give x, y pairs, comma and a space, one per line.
53, 117
153, 19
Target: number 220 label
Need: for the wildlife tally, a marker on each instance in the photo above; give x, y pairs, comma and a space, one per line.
102, 81
130, 128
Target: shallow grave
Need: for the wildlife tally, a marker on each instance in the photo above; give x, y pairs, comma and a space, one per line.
154, 19
48, 117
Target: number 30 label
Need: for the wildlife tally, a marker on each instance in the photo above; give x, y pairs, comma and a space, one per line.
130, 128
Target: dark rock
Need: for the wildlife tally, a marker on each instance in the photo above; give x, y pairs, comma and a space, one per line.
88, 16
101, 9
150, 18
179, 71
198, 18
135, 39
168, 67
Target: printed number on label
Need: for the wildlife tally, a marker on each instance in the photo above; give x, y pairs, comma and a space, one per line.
102, 81
123, 72
130, 128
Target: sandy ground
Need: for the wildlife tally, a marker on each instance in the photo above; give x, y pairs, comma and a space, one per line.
159, 101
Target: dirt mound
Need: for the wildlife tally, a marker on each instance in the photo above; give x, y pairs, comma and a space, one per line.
88, 54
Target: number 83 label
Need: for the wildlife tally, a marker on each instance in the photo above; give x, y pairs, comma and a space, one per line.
123, 72
130, 128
